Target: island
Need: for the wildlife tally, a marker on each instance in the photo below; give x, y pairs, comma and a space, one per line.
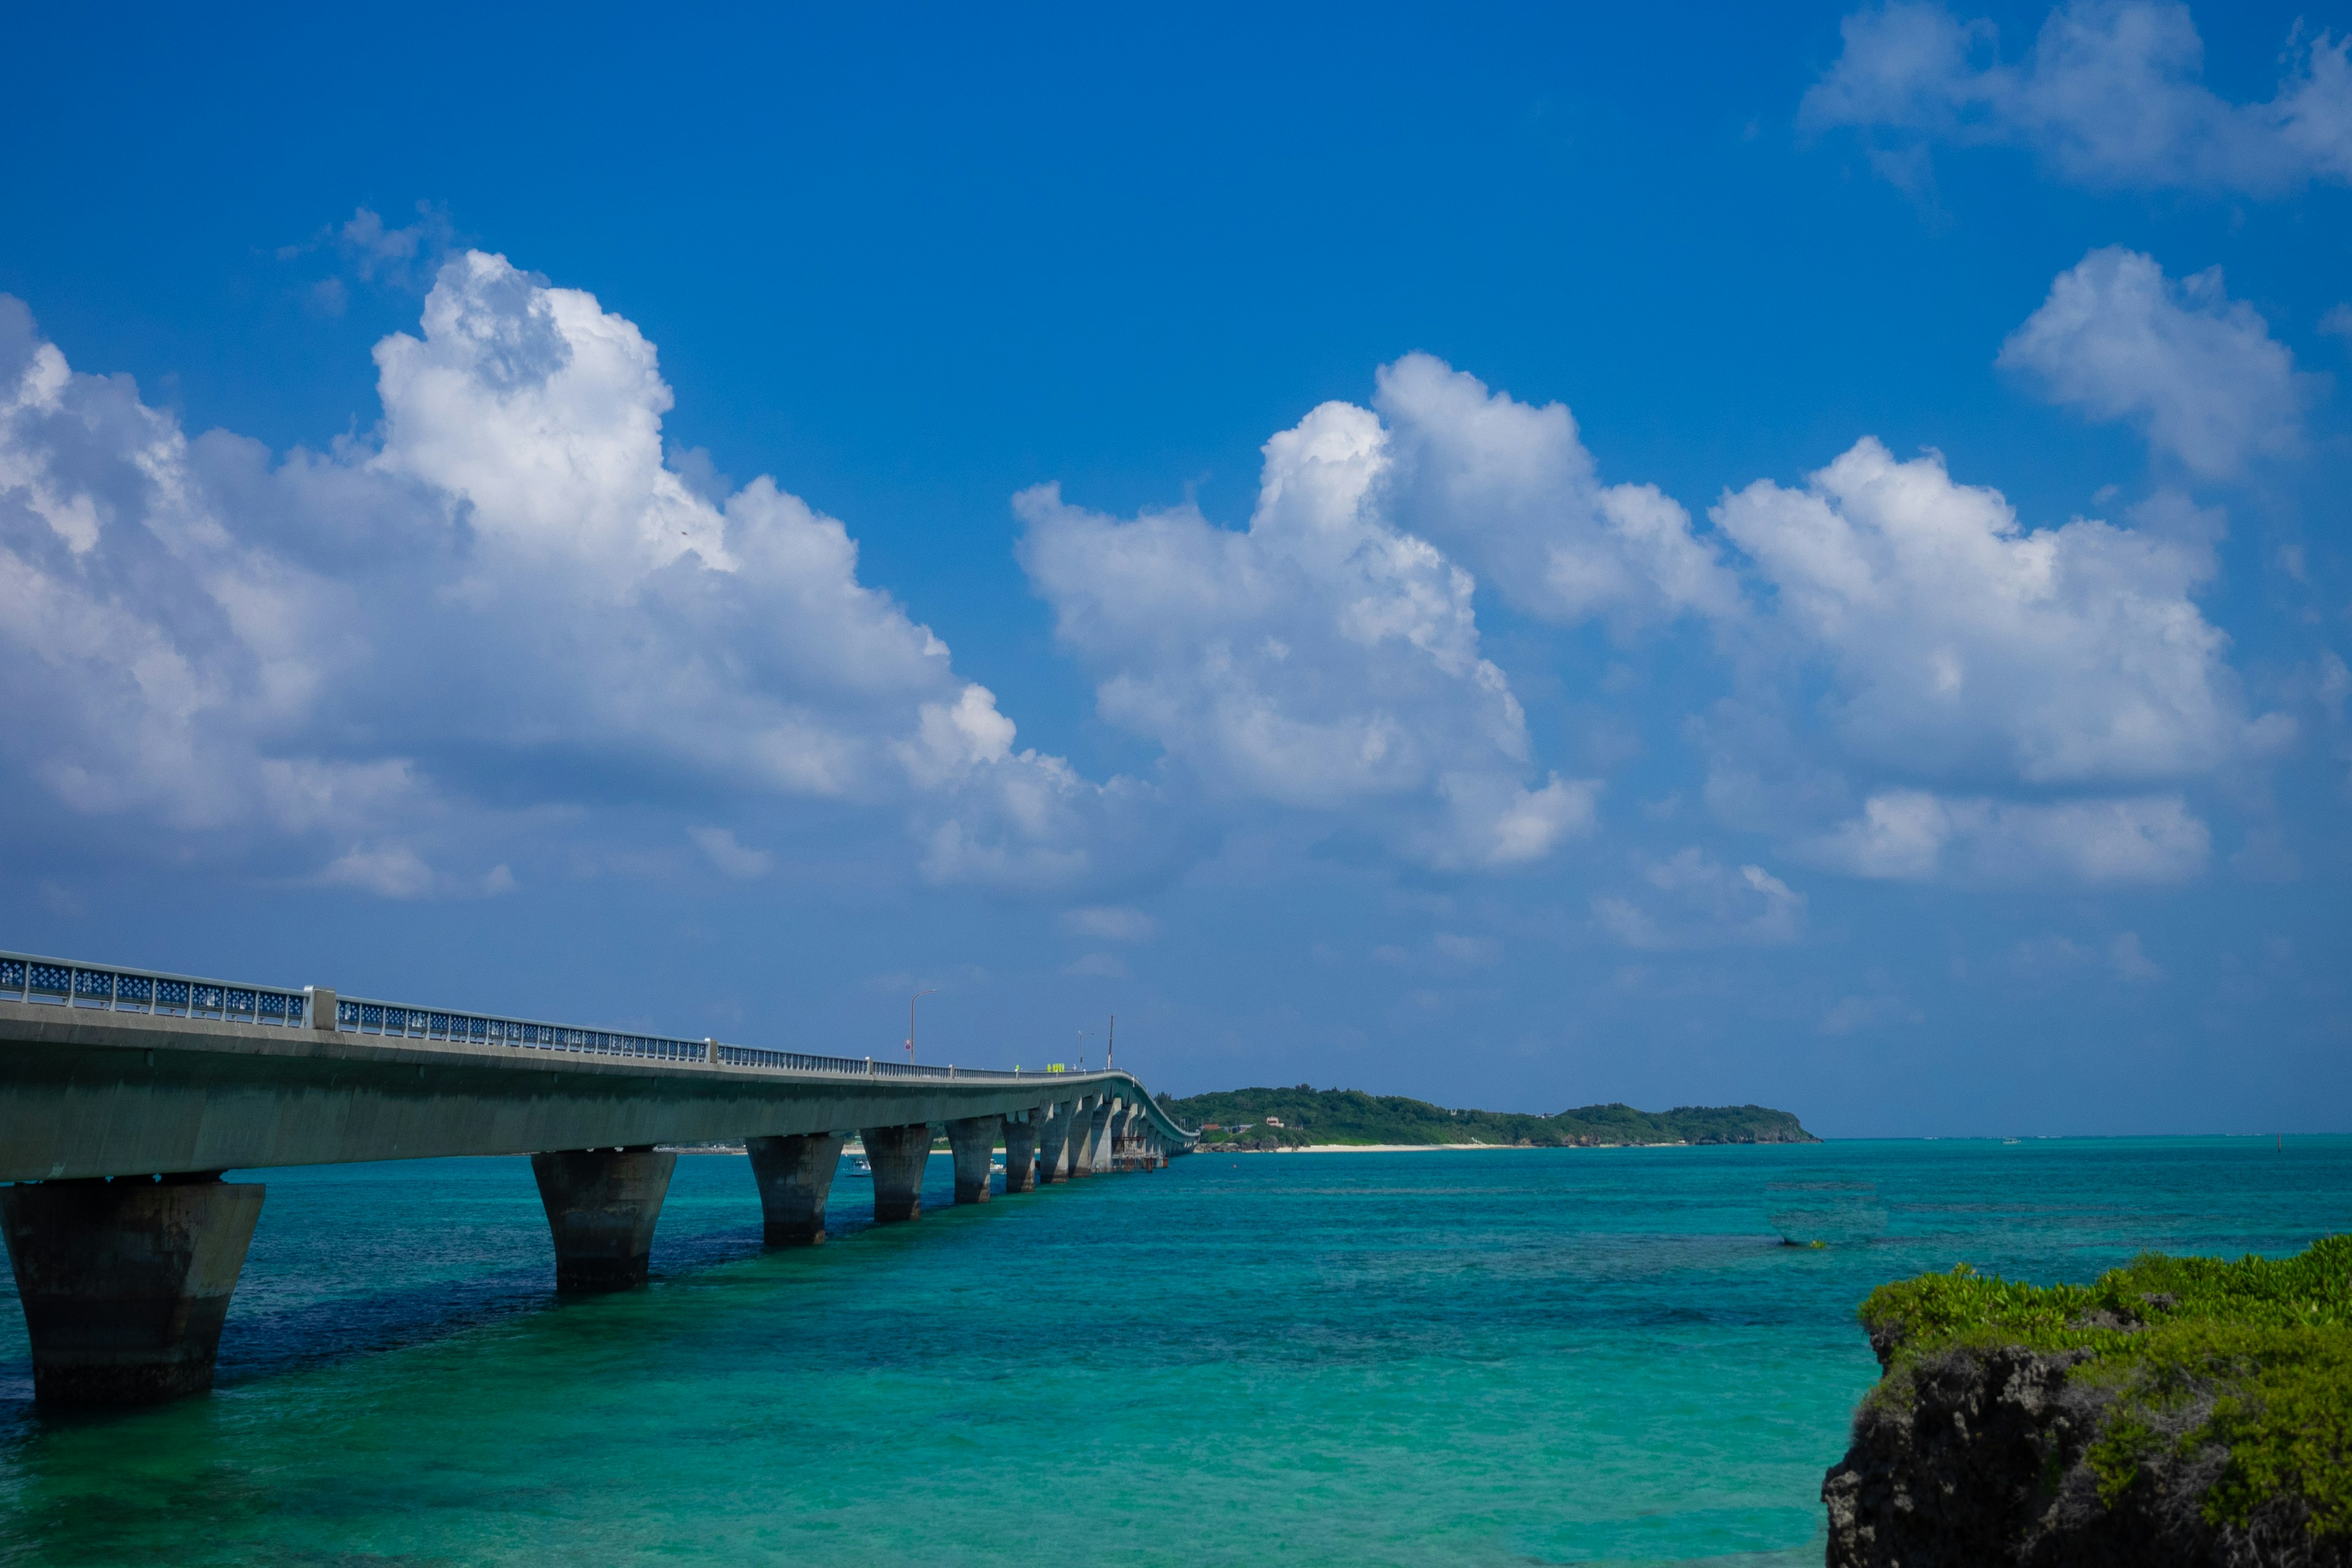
1273, 1119
2179, 1411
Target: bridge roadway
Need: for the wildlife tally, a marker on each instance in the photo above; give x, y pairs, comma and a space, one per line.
125, 1095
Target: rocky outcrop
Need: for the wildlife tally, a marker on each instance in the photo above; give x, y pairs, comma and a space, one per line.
1980, 1455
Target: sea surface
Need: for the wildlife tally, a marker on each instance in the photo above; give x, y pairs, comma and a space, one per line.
1589, 1356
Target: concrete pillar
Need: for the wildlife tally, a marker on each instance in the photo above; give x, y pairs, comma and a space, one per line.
1020, 1135
601, 1206
973, 1138
794, 1175
1122, 1154
1080, 1155
1053, 1144
1091, 1129
897, 1155
125, 1283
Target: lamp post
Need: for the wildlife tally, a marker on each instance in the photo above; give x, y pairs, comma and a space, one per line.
1082, 1051
911, 1021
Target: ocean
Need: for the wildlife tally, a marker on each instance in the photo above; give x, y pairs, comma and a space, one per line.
1580, 1356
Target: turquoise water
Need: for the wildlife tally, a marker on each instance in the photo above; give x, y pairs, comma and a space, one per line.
1516, 1357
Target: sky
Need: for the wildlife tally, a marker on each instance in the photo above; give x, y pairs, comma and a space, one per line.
1525, 557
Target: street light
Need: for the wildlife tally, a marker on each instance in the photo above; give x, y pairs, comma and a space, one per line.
1082, 1051
911, 1021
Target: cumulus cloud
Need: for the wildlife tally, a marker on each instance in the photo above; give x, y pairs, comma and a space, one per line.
2010, 705
146, 649
2196, 372
1690, 900
1509, 489
2110, 94
507, 591
1962, 645
1917, 835
1323, 660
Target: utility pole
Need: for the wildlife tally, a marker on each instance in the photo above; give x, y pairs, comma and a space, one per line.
911, 1021
1110, 1056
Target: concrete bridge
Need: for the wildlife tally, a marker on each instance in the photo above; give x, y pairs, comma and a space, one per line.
125, 1094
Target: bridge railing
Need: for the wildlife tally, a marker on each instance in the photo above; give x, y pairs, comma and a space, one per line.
26, 977
358, 1015
362, 1016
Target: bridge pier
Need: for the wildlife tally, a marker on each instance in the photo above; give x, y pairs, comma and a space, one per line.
125, 1283
1097, 1136
973, 1138
795, 1175
1021, 1152
1075, 1164
897, 1155
1053, 1143
601, 1206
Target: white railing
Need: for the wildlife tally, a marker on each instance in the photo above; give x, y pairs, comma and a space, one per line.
113, 988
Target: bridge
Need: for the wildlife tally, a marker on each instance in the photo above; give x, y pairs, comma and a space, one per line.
127, 1094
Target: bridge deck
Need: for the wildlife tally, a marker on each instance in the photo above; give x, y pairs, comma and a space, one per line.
91, 1092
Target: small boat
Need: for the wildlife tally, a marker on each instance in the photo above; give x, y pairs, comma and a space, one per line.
859, 1167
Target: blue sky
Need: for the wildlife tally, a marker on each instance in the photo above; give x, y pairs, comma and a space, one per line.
1523, 558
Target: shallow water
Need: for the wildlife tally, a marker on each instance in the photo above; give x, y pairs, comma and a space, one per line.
1516, 1357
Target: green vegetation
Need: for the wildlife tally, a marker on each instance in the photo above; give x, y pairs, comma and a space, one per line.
2193, 1367
1244, 1118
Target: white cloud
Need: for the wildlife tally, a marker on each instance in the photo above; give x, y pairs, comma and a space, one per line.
1101, 965
1962, 645
395, 872
507, 584
1323, 660
408, 256
2196, 372
1510, 489
1915, 836
2110, 94
731, 858
144, 648
1110, 922
1692, 900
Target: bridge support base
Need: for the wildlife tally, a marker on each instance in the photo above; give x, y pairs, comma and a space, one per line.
125, 1283
1020, 1155
972, 1140
897, 1155
1052, 1144
601, 1206
1086, 1140
795, 1175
